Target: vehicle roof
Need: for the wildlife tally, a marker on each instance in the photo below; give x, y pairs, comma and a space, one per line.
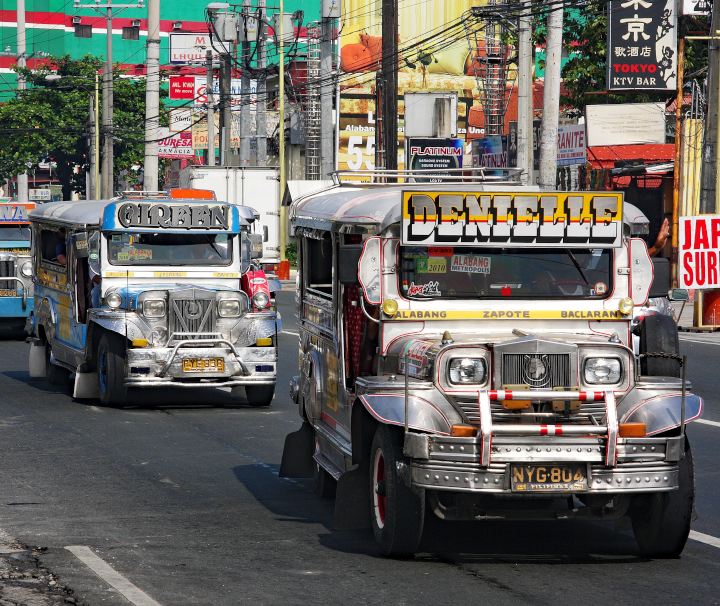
373, 207
89, 213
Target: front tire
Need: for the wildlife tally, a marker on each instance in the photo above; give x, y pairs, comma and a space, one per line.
111, 364
259, 395
397, 513
661, 521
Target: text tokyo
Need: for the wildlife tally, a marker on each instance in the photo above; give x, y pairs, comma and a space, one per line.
474, 218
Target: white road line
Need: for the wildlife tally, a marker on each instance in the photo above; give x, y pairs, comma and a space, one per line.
112, 577
290, 332
715, 341
704, 538
706, 422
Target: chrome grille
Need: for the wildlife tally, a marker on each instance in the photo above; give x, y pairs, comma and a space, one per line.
589, 413
7, 269
536, 370
192, 316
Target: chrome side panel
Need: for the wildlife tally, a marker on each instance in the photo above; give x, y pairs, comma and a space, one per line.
657, 402
127, 324
427, 410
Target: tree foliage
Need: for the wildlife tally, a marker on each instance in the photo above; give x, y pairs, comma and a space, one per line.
50, 122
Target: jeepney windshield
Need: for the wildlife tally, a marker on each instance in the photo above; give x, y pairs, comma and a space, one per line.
15, 232
144, 248
476, 272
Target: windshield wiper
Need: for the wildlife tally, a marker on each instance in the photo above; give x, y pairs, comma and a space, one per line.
571, 254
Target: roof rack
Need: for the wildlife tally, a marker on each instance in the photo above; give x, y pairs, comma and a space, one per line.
135, 195
381, 176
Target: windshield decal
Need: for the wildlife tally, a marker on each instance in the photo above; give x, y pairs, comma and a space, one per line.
173, 216
473, 264
424, 290
431, 265
551, 219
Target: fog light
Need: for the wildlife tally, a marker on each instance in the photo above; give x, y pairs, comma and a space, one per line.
113, 300
625, 307
140, 342
263, 342
390, 307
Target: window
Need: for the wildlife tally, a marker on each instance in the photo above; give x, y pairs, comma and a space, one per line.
53, 248
131, 33
319, 265
83, 31
131, 248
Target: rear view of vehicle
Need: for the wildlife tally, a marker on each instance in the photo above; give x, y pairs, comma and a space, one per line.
16, 294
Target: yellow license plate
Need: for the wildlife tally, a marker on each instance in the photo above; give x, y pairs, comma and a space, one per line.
563, 477
8, 292
203, 365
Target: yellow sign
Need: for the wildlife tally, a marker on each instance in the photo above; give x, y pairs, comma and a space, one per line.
548, 219
508, 314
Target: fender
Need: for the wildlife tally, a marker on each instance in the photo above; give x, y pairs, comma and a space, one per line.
126, 324
46, 316
424, 414
660, 412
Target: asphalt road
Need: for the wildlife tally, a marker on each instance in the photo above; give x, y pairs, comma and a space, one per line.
179, 494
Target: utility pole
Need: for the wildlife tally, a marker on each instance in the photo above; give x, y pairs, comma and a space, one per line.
327, 124
261, 115
92, 188
709, 202
525, 96
210, 108
22, 178
152, 98
281, 127
225, 86
551, 100
390, 82
108, 163
245, 88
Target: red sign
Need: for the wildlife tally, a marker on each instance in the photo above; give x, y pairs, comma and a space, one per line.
699, 252
182, 87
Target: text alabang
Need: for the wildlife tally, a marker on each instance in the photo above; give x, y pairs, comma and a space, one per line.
462, 218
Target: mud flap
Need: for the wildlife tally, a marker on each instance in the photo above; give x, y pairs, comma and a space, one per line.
86, 386
297, 457
37, 364
352, 505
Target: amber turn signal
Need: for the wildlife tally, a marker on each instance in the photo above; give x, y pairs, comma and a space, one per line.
263, 342
633, 430
516, 404
140, 342
463, 431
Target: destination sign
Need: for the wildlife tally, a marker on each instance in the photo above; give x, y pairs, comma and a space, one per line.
173, 216
15, 213
548, 219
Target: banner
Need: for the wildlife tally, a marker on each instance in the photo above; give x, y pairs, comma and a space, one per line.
434, 154
699, 253
642, 45
192, 48
432, 67
571, 149
174, 145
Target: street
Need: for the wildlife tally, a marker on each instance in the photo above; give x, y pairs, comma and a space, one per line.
179, 494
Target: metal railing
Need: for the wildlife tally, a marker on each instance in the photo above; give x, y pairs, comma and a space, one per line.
427, 176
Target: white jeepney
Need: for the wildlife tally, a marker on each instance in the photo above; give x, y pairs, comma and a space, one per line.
468, 349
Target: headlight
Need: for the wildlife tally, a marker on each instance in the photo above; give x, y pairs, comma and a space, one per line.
153, 308
467, 371
600, 371
26, 269
113, 299
229, 308
261, 300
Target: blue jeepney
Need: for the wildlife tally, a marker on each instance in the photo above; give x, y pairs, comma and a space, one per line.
145, 291
16, 302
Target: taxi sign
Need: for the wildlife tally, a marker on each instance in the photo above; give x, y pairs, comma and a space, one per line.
548, 219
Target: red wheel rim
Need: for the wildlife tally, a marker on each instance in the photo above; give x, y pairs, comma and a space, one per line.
379, 501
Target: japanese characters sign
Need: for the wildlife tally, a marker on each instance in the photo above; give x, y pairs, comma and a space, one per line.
699, 252
549, 219
642, 45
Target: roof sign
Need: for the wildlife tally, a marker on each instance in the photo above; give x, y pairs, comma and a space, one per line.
549, 219
173, 216
15, 213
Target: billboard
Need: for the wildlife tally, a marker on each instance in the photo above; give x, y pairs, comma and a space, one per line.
444, 63
699, 254
435, 154
625, 123
174, 145
192, 48
642, 45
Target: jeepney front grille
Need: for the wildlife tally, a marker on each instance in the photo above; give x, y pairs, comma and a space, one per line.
589, 413
536, 370
7, 269
192, 316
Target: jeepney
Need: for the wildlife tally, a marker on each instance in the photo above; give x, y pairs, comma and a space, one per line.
466, 349
16, 299
151, 290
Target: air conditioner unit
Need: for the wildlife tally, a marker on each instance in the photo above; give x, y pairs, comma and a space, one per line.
135, 23
76, 20
177, 25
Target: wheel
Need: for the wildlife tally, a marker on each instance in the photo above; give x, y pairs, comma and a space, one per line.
56, 375
659, 334
397, 512
110, 361
661, 521
259, 395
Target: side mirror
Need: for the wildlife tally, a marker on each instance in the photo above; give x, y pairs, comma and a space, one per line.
661, 280
348, 258
80, 245
679, 294
256, 246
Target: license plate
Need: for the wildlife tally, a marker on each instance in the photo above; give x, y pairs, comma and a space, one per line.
203, 365
8, 292
568, 477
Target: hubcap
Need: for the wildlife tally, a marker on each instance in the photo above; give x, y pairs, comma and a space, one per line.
379, 495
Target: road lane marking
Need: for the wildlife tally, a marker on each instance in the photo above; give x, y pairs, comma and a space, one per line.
704, 538
290, 332
112, 577
706, 422
714, 340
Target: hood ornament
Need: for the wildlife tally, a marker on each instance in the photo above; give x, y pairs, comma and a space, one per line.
536, 370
